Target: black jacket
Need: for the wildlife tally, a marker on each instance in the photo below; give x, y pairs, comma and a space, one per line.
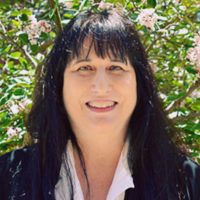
20, 177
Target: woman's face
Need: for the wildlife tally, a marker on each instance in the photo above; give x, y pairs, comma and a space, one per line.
99, 94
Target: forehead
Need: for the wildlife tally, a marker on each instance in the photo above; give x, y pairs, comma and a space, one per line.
101, 49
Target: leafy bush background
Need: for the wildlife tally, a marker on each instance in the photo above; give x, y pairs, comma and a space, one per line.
22, 62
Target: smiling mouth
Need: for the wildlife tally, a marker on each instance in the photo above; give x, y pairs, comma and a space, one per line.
101, 107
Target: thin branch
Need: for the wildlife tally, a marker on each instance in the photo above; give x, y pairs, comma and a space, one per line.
135, 6
3, 27
145, 39
166, 26
152, 43
45, 45
81, 7
27, 56
176, 104
53, 5
96, 1
39, 75
28, 2
185, 118
186, 19
41, 15
177, 45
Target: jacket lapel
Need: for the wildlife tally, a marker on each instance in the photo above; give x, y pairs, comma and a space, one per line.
131, 194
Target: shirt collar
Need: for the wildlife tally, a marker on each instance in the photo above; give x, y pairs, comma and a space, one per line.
122, 179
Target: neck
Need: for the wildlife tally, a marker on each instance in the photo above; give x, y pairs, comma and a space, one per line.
101, 155
98, 149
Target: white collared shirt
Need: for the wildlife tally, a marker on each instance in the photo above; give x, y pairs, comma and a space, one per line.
122, 179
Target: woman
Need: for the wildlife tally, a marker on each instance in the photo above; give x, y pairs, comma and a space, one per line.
101, 129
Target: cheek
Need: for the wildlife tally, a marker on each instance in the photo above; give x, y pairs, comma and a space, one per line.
73, 92
127, 81
130, 90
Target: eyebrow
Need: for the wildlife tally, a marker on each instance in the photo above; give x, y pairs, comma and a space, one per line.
82, 60
89, 60
119, 60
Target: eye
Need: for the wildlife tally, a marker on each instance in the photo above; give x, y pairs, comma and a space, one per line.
115, 67
85, 68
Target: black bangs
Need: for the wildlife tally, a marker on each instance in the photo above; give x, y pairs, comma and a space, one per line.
106, 33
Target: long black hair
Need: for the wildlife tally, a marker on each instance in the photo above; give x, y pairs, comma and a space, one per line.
153, 158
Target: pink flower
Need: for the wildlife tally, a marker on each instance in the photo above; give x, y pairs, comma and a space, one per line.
104, 5
25, 29
176, 2
194, 55
32, 19
42, 29
197, 40
18, 130
48, 28
196, 94
34, 29
69, 4
148, 18
33, 41
44, 26
11, 132
25, 102
14, 109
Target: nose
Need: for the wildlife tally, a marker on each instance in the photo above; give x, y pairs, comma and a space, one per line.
101, 83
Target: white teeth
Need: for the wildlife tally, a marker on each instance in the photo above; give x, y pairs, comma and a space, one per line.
101, 105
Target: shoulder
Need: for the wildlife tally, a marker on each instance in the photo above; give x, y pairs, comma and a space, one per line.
17, 168
191, 166
10, 159
191, 171
17, 159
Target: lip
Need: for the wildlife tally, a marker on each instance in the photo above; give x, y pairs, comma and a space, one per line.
100, 110
101, 100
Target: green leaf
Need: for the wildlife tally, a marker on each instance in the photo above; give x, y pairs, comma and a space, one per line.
23, 61
134, 16
24, 37
85, 3
197, 126
5, 49
26, 12
129, 5
181, 94
189, 100
11, 32
16, 23
151, 3
195, 107
23, 17
19, 92
44, 35
34, 48
15, 54
68, 16
2, 5
186, 83
137, 1
10, 64
51, 13
5, 98
174, 97
191, 70
15, 13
